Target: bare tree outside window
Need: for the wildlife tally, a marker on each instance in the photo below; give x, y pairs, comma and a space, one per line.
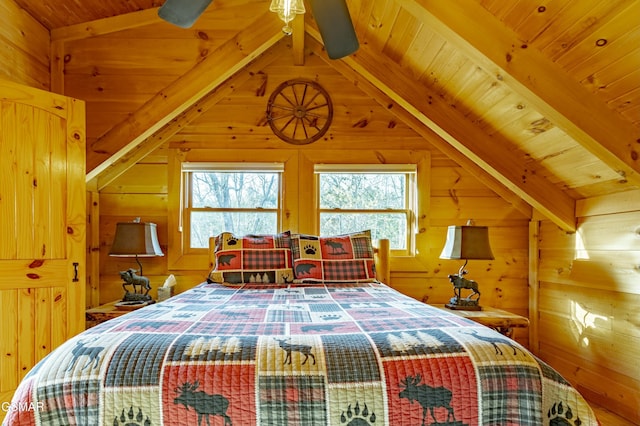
247, 200
351, 202
239, 202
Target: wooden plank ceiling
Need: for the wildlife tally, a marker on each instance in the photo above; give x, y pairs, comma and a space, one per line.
540, 99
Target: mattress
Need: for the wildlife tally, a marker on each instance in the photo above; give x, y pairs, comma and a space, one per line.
307, 354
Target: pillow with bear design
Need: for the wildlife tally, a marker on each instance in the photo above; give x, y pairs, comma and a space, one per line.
338, 258
263, 259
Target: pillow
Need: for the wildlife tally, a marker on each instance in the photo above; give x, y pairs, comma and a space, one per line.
338, 258
252, 259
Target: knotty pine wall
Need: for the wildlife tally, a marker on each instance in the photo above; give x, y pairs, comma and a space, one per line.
589, 294
116, 72
454, 196
588, 319
24, 47
235, 128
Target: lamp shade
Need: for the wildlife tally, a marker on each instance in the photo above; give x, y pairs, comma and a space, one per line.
467, 242
136, 239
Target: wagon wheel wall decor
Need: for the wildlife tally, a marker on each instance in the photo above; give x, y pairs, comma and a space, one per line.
299, 111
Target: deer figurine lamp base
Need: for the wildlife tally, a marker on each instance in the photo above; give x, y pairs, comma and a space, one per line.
471, 301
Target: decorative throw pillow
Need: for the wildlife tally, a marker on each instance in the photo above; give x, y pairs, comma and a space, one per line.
252, 259
338, 258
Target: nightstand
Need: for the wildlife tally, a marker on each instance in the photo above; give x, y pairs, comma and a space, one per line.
102, 313
501, 321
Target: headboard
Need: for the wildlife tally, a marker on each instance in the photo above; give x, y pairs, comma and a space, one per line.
381, 258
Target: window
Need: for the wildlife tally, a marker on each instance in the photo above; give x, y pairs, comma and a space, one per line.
377, 197
243, 198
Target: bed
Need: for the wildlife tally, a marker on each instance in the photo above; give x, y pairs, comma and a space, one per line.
275, 342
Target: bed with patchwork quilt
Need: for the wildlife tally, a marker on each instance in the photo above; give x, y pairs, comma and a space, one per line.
327, 352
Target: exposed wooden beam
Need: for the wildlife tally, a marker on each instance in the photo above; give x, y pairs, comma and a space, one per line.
160, 137
452, 126
534, 286
564, 101
345, 68
298, 40
93, 246
164, 106
106, 25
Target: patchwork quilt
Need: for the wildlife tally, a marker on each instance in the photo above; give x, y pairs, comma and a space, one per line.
341, 354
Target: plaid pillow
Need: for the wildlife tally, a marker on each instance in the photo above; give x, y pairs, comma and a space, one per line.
252, 259
338, 258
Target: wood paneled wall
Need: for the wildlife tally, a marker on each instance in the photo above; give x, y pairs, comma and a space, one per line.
588, 284
24, 47
589, 293
361, 124
454, 196
141, 192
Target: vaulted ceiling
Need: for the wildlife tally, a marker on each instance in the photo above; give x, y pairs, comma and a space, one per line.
539, 99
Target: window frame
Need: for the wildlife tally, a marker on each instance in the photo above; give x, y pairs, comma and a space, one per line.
299, 199
189, 168
410, 171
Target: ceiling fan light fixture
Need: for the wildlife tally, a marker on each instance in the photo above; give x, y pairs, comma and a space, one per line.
287, 11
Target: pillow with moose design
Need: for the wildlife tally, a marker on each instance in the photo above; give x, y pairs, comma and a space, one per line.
260, 259
338, 258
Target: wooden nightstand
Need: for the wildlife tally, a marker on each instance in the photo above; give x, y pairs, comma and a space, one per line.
102, 313
501, 321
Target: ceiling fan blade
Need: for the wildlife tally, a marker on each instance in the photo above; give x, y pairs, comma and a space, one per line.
336, 28
182, 13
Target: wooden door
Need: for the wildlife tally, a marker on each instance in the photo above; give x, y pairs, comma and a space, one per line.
42, 227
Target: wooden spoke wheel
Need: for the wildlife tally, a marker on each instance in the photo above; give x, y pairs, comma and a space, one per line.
299, 111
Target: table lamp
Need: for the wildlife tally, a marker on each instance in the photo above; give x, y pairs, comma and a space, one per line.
467, 242
135, 239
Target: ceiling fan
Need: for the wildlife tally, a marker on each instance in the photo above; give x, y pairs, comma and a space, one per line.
332, 16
